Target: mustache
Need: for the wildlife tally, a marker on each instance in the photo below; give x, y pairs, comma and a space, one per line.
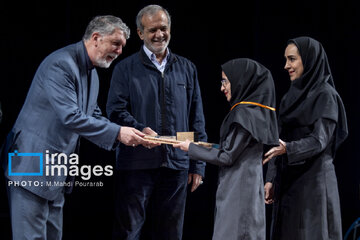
113, 55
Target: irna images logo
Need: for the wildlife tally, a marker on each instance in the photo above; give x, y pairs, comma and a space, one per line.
56, 164
14, 159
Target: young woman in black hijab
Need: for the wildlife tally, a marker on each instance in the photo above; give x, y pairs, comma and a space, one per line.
250, 124
312, 124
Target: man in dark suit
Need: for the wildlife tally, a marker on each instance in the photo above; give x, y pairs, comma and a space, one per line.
156, 92
60, 107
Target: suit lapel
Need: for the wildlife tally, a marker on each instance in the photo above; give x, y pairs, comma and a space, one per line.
94, 90
83, 91
89, 82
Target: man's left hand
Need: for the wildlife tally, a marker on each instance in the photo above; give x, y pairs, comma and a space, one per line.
196, 180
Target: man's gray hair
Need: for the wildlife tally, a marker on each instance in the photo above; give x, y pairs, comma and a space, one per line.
150, 10
106, 25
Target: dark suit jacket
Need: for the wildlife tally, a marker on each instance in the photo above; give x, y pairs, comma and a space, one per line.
169, 102
60, 106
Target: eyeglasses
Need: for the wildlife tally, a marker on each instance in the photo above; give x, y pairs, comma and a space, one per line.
224, 82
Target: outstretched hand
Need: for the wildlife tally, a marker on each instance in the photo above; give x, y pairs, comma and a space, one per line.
275, 151
183, 145
150, 132
131, 136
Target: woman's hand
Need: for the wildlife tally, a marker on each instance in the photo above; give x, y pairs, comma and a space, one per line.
269, 193
183, 145
275, 151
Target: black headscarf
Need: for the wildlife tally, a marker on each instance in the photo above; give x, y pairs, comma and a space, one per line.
252, 86
313, 95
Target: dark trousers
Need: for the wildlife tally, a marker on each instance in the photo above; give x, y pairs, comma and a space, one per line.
164, 188
33, 217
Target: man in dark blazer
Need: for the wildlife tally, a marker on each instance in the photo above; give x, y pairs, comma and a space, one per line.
60, 107
157, 92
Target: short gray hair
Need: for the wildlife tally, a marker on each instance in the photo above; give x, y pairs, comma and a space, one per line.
150, 10
106, 25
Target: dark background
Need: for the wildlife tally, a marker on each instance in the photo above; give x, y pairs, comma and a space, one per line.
208, 34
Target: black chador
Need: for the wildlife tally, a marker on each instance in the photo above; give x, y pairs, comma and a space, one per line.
250, 124
312, 122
